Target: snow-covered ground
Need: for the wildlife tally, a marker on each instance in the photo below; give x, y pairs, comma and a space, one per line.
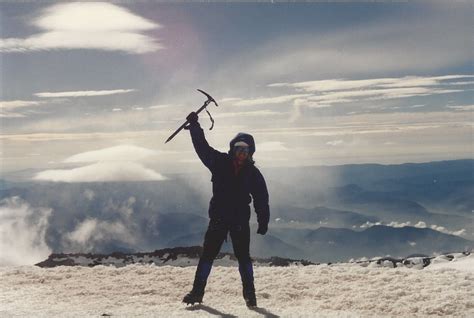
341, 290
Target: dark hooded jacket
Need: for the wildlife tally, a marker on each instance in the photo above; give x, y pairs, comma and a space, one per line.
232, 193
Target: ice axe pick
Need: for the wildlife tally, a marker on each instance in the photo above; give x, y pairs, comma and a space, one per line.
204, 106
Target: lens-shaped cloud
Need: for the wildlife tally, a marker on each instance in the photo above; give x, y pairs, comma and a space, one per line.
100, 26
116, 153
102, 172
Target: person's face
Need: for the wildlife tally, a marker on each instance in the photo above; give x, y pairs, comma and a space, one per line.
241, 153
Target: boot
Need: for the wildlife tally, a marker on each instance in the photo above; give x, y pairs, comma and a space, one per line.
200, 280
249, 294
196, 294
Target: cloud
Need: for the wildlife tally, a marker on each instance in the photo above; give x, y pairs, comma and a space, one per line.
22, 232
85, 93
4, 114
335, 91
335, 142
112, 154
91, 232
7, 108
419, 224
272, 146
397, 82
264, 100
326, 93
13, 104
110, 164
349, 131
87, 25
89, 194
229, 99
461, 107
30, 137
190, 160
101, 172
257, 113
299, 102
160, 106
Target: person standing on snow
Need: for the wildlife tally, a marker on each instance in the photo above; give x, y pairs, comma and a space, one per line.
234, 179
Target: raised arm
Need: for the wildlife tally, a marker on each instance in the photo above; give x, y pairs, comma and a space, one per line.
206, 153
260, 197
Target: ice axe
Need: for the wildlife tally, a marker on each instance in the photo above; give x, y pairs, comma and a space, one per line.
209, 100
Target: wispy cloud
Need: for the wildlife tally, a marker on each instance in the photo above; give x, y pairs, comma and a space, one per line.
461, 107
335, 142
376, 94
358, 130
372, 123
270, 146
51, 136
326, 93
397, 82
13, 104
160, 106
256, 113
6, 114
101, 26
264, 100
10, 109
84, 93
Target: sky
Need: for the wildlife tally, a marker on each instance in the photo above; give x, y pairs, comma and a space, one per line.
90, 91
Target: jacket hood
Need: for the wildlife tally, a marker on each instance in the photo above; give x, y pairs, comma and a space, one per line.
247, 138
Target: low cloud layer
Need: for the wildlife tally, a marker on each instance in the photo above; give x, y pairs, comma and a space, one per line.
22, 232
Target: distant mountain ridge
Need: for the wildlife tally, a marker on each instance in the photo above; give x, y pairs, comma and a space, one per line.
339, 244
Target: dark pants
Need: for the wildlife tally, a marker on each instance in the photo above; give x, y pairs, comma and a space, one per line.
215, 235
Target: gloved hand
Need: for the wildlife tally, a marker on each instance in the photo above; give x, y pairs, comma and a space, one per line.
262, 229
192, 119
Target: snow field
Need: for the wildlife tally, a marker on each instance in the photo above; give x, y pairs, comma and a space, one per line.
345, 290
